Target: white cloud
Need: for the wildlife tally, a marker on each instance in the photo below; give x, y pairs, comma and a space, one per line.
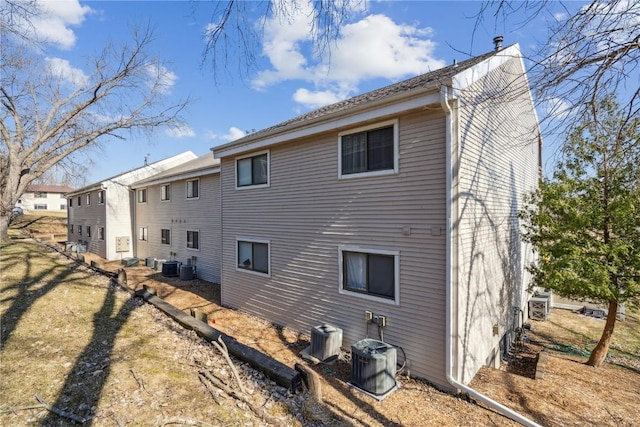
560, 16
233, 134
181, 131
62, 69
557, 108
373, 47
53, 22
161, 77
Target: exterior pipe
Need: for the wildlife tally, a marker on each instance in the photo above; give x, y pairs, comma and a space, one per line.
444, 102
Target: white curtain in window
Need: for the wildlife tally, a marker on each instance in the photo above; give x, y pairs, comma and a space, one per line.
354, 153
244, 172
356, 270
244, 255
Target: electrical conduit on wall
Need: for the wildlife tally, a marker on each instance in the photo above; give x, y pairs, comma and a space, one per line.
444, 102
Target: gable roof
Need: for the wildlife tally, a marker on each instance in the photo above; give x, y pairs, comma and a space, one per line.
416, 85
125, 177
44, 188
203, 165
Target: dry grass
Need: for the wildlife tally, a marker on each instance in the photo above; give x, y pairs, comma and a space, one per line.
571, 393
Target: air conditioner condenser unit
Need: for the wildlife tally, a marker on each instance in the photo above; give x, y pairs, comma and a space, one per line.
373, 366
326, 341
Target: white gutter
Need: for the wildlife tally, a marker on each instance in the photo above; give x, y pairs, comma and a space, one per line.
444, 102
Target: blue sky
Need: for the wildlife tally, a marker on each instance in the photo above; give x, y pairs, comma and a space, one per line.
384, 42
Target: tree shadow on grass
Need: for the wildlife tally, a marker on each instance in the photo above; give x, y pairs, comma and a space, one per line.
33, 285
84, 384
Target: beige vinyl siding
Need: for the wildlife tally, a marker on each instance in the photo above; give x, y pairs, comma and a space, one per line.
498, 163
307, 213
180, 214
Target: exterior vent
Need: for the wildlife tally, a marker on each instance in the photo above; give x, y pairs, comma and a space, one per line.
373, 366
157, 264
326, 341
150, 262
170, 268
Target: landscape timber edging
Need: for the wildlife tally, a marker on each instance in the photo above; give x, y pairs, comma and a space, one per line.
283, 375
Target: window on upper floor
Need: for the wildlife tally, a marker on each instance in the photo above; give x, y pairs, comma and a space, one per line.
142, 195
71, 202
193, 190
193, 239
252, 171
101, 197
371, 273
88, 231
40, 195
165, 236
79, 200
369, 151
253, 255
88, 199
70, 228
143, 233
165, 192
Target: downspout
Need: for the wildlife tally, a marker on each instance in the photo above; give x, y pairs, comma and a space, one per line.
444, 102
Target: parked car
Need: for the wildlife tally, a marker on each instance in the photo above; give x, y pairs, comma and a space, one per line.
17, 211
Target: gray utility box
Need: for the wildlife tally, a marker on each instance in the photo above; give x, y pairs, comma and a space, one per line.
150, 262
186, 272
171, 268
373, 366
326, 341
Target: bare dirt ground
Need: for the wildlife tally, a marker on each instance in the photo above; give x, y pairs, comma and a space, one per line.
570, 393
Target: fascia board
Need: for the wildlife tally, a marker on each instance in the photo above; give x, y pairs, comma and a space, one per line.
331, 123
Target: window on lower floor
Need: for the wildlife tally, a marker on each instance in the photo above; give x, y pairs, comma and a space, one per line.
193, 239
70, 228
253, 255
80, 230
88, 231
101, 233
369, 272
63, 207
252, 171
40, 207
143, 233
165, 236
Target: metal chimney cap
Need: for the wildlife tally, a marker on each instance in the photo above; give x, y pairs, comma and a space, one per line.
497, 42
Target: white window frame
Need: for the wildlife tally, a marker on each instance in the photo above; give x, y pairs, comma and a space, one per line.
193, 231
254, 240
70, 228
101, 197
88, 199
63, 207
140, 191
170, 237
396, 150
80, 230
186, 193
101, 232
396, 272
167, 192
253, 186
41, 207
88, 231
143, 234
79, 200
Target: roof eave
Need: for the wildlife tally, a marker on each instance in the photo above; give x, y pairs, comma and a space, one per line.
177, 177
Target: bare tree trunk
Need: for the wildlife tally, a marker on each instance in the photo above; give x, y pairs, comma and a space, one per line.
4, 228
600, 352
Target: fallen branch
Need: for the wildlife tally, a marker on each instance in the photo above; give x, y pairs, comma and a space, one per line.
60, 412
260, 412
188, 422
222, 348
21, 408
210, 388
138, 380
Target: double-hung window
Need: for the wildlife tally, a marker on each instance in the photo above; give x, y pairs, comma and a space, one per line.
88, 199
88, 231
165, 236
193, 189
101, 233
165, 192
143, 233
253, 255
142, 195
79, 200
370, 151
71, 228
71, 202
252, 171
370, 273
193, 239
80, 230
101, 197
